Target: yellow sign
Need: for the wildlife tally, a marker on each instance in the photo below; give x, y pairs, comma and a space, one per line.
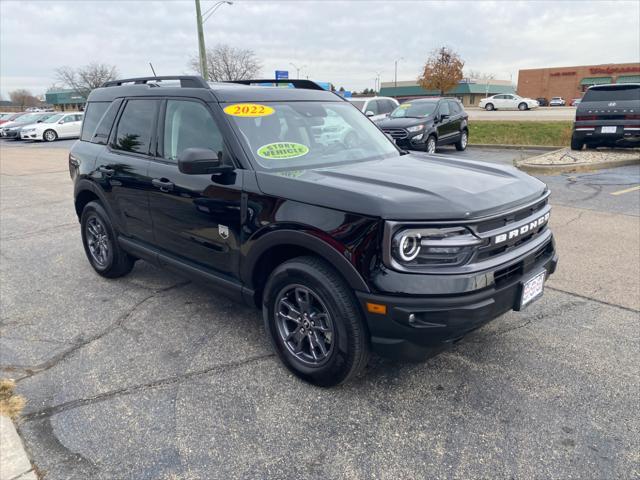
248, 110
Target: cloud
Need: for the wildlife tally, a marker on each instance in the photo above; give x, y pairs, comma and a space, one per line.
346, 43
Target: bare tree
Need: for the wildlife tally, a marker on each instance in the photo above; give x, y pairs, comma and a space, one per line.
442, 71
228, 63
84, 79
23, 98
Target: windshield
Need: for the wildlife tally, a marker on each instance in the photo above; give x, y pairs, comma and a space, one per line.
29, 118
54, 118
415, 110
287, 135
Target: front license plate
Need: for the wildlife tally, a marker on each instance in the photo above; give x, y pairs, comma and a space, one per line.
609, 129
532, 289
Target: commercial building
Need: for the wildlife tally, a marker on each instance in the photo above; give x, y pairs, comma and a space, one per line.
65, 100
468, 91
571, 82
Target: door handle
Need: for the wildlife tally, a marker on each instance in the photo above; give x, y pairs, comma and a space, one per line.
106, 170
163, 184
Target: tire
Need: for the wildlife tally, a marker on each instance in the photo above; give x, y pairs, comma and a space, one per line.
461, 144
101, 245
431, 144
576, 144
338, 325
489, 107
523, 106
49, 135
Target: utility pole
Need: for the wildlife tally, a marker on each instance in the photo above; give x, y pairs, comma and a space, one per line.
200, 19
298, 68
395, 76
201, 49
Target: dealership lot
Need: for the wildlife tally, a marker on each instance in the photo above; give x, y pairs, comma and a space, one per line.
151, 376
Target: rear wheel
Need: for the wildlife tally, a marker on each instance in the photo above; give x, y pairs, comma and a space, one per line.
488, 107
50, 135
101, 245
314, 322
576, 144
462, 143
522, 106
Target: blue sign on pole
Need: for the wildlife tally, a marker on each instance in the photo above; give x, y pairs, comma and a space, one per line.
282, 75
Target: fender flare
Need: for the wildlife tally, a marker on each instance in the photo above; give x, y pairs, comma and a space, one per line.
305, 240
83, 185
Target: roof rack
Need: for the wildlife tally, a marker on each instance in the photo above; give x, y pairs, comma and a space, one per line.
186, 81
297, 83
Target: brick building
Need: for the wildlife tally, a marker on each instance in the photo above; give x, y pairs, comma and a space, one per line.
571, 82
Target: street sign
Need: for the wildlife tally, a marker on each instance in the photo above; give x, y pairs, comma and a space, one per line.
282, 75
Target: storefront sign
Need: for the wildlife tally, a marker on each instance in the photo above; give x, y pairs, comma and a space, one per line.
610, 70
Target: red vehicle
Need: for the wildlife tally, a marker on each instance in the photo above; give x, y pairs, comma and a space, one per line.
9, 117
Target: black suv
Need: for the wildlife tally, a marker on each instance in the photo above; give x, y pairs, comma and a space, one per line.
428, 123
290, 199
608, 116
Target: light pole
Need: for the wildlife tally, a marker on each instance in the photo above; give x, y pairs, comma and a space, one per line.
395, 76
200, 19
297, 68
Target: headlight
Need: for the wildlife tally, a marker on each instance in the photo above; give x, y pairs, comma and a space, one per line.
27, 130
433, 247
416, 128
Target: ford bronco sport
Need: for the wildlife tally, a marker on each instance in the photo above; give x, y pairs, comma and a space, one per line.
346, 247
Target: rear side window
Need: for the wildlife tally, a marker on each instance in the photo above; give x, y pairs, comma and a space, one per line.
101, 135
92, 115
136, 126
618, 93
189, 125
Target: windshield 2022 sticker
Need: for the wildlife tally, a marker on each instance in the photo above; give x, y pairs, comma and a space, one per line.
282, 150
248, 110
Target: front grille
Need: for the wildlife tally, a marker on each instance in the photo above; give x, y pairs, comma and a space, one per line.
511, 218
396, 133
516, 270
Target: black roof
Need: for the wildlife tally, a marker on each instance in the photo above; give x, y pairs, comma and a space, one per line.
196, 87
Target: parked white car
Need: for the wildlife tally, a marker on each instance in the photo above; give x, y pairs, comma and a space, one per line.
508, 101
61, 125
376, 108
557, 102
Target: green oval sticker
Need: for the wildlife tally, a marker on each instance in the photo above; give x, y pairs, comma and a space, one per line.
281, 150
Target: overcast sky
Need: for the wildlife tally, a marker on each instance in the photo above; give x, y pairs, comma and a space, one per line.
346, 43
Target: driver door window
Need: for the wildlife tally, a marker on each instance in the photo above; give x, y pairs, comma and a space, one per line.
444, 109
189, 124
372, 106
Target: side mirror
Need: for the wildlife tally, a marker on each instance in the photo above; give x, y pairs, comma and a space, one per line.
200, 161
443, 116
60, 122
369, 113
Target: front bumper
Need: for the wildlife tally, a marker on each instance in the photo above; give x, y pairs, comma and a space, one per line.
416, 327
30, 136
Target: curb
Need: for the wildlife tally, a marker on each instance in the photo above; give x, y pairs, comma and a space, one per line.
544, 148
526, 166
14, 462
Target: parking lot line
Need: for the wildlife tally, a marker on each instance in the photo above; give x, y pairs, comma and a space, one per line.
626, 190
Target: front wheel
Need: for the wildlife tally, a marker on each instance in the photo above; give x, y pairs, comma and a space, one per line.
522, 106
489, 107
50, 135
431, 145
314, 322
462, 143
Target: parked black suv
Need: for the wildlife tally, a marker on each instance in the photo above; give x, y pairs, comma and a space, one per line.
428, 123
608, 116
293, 201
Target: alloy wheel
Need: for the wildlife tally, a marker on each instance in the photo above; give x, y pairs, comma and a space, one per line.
304, 325
463, 140
98, 241
431, 145
49, 135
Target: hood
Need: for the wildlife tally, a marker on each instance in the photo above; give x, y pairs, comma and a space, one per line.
408, 187
403, 122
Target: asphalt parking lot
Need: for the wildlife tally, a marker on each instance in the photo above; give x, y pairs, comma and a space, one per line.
154, 377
